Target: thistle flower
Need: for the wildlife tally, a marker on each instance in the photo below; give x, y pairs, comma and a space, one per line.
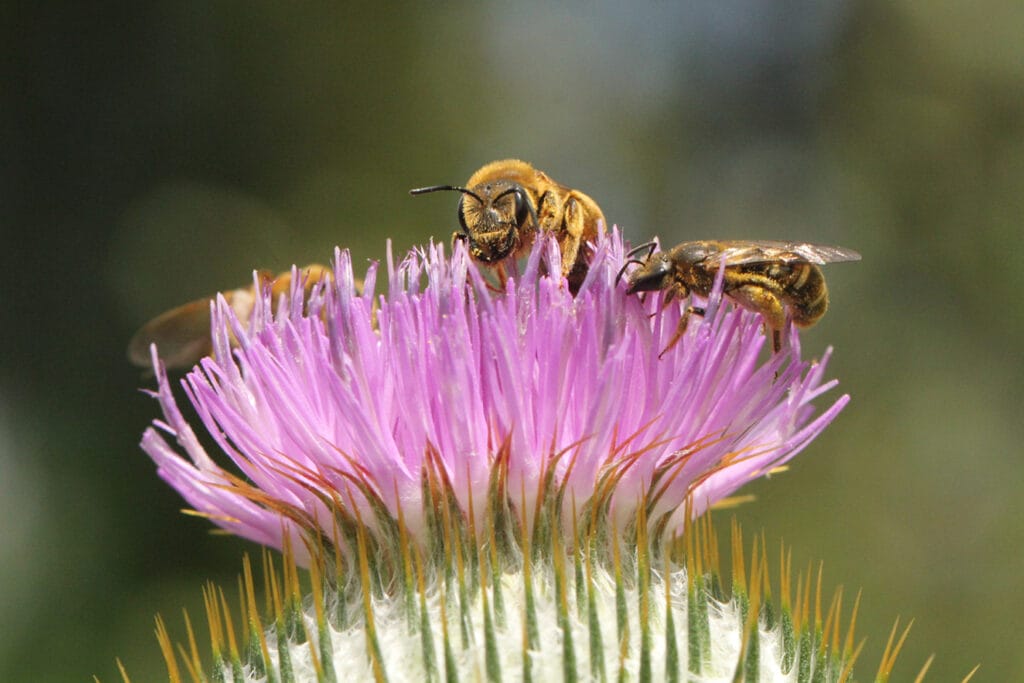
340, 392
427, 451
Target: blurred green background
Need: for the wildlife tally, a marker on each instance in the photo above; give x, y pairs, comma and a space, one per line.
155, 152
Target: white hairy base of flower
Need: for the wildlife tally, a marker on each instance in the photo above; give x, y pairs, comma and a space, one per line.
401, 646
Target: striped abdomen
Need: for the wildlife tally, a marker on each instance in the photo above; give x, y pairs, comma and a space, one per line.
803, 290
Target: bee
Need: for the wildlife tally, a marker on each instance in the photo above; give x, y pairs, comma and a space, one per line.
506, 203
183, 334
779, 280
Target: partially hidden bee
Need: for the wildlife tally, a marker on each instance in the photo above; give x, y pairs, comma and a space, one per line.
506, 203
183, 334
779, 280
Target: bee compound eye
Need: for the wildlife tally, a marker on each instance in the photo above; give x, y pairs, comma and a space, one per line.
462, 215
522, 207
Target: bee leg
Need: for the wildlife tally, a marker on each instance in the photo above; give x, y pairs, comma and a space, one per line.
457, 237
670, 294
500, 276
573, 226
574, 266
499, 272
575, 278
681, 327
768, 304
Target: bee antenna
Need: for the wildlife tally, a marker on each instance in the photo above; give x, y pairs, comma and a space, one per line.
649, 246
446, 188
622, 270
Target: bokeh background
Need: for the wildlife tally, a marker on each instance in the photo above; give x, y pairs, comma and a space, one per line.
155, 152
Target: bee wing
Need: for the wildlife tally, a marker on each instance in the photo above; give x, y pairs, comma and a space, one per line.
763, 251
182, 336
823, 253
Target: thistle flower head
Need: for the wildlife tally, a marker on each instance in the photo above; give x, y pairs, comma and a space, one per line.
341, 403
463, 467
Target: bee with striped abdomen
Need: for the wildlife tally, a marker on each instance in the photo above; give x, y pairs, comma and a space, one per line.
779, 280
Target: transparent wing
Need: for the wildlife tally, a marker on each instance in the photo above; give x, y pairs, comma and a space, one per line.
741, 252
182, 336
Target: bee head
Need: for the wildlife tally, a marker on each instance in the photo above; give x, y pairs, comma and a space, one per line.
491, 216
653, 273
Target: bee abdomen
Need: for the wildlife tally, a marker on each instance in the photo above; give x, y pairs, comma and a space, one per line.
808, 294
